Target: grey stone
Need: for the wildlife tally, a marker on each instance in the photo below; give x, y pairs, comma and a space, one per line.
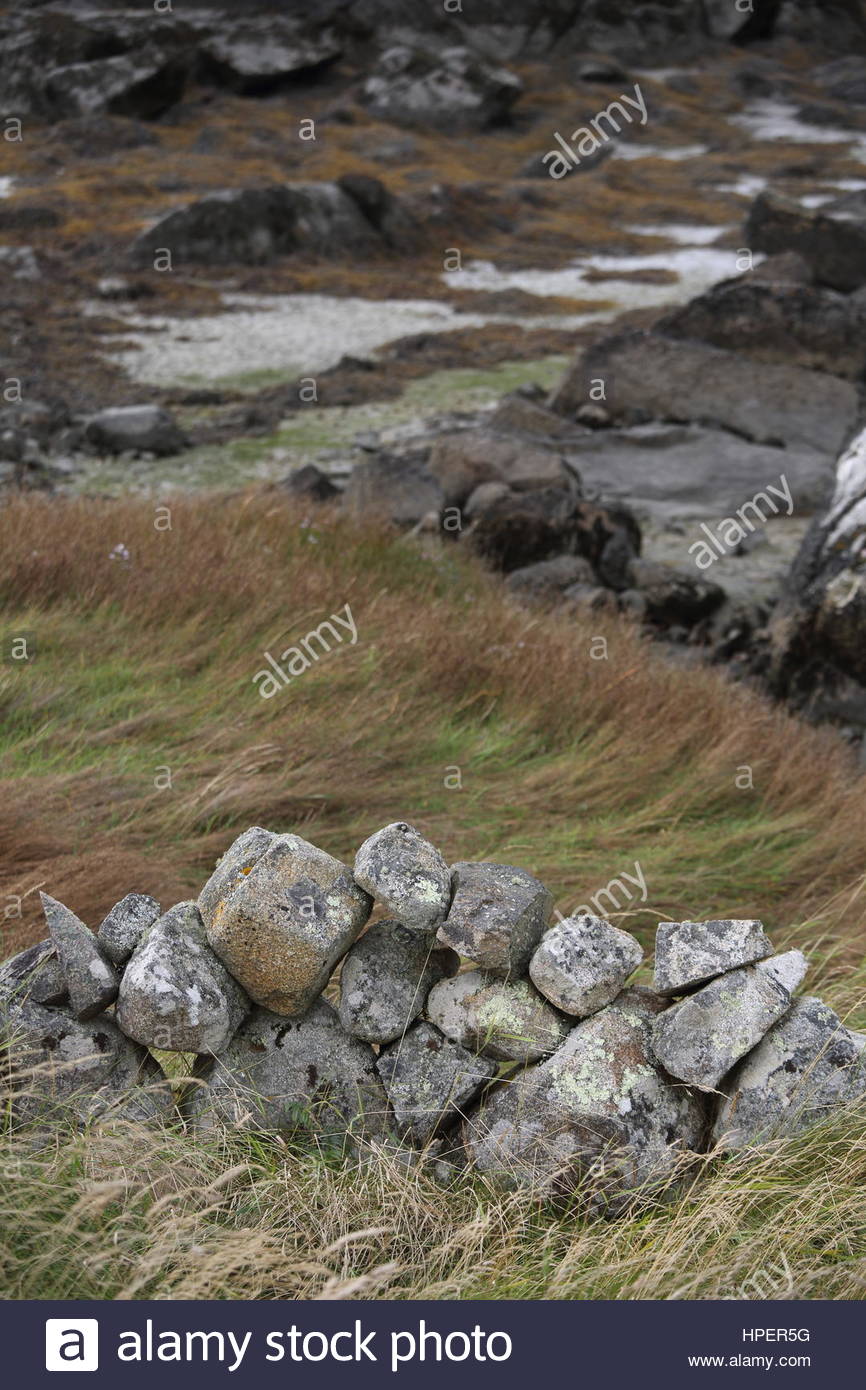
789, 970
285, 1075
393, 487
673, 597
21, 262
386, 978
806, 1066
34, 974
504, 1019
497, 916
282, 927
258, 54
232, 868
833, 241
90, 975
143, 84
598, 1115
690, 953
549, 578
406, 874
430, 1081
450, 88
146, 429
699, 1039
465, 461
175, 993
126, 923
583, 963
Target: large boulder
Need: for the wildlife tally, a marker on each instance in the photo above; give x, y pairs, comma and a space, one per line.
280, 927
832, 239
497, 916
452, 88
261, 54
90, 975
504, 1019
430, 1081
393, 487
405, 874
386, 978
140, 429
582, 964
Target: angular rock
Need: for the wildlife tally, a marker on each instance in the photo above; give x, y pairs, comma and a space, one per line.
699, 1039
462, 462
789, 970
262, 53
807, 1064
583, 963
406, 874
451, 88
833, 242
497, 916
144, 429
504, 1019
125, 925
393, 487
311, 483
386, 978
90, 976
282, 927
233, 867
34, 974
598, 1114
175, 994
690, 953
289, 1076
144, 84
430, 1081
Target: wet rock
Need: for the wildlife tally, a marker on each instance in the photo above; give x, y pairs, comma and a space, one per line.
142, 429
806, 1066
90, 976
386, 978
175, 994
550, 578
406, 874
832, 242
504, 1019
311, 483
599, 1114
583, 963
497, 916
700, 1039
430, 1081
34, 974
232, 868
673, 597
451, 88
125, 925
646, 373
282, 927
259, 54
393, 487
690, 953
143, 84
463, 462
285, 1075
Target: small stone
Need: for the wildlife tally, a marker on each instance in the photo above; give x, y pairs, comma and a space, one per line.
583, 963
699, 1039
497, 917
690, 953
430, 1081
406, 874
90, 976
281, 924
232, 868
386, 978
287, 1075
34, 974
125, 925
175, 994
504, 1019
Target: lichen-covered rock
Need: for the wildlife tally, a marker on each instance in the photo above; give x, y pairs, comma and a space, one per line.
63, 1068
807, 1064
497, 916
232, 868
34, 974
505, 1019
281, 923
430, 1081
90, 975
788, 969
286, 1075
386, 978
175, 993
699, 1039
406, 874
690, 953
582, 964
598, 1112
125, 925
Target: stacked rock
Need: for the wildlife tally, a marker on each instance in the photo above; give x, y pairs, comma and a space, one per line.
535, 1061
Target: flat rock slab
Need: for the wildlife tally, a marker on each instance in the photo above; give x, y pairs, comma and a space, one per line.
690, 953
497, 916
125, 925
582, 964
598, 1114
505, 1019
386, 978
34, 974
90, 975
699, 1039
176, 994
287, 1075
406, 874
430, 1081
281, 924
